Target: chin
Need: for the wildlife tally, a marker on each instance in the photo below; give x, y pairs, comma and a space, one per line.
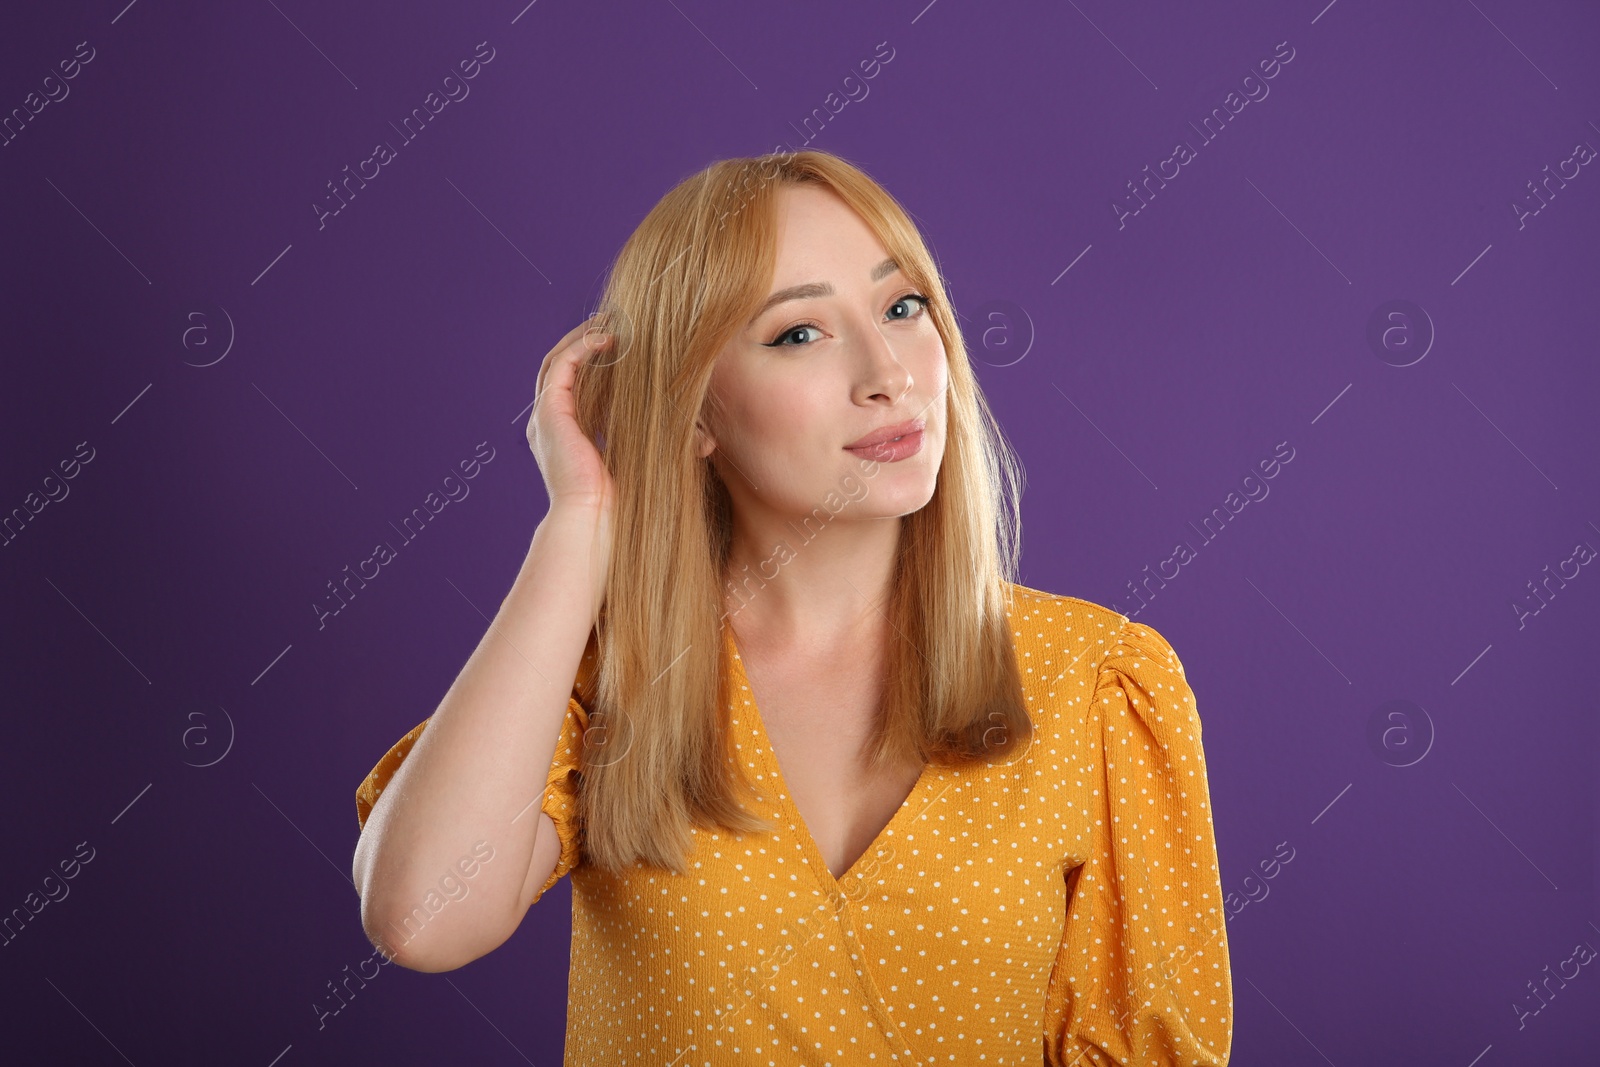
890, 497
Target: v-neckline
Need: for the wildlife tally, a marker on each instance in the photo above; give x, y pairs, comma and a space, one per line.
878, 851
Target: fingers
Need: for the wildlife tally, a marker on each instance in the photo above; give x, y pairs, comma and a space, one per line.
562, 345
560, 366
582, 340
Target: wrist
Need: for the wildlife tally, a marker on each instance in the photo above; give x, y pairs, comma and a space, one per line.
565, 551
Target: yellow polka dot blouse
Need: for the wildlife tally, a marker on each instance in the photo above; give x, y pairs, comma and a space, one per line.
1062, 904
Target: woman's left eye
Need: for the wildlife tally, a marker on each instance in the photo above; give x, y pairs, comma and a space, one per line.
918, 298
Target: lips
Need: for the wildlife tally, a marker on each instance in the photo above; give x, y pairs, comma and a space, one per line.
888, 433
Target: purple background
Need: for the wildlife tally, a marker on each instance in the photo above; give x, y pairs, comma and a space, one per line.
162, 610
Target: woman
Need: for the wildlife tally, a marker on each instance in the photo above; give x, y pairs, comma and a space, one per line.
831, 787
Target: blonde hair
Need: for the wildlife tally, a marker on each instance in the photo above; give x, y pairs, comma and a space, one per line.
690, 278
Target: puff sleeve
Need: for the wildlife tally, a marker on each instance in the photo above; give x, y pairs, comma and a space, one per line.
1142, 974
560, 795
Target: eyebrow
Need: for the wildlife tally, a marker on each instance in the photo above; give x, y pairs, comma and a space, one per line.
814, 289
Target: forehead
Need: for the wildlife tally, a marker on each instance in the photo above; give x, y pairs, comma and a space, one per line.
821, 238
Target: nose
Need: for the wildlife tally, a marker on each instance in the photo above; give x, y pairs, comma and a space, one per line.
881, 375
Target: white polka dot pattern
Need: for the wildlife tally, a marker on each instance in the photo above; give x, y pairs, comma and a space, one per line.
1063, 901
1142, 975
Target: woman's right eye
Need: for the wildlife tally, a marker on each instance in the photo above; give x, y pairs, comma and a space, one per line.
778, 342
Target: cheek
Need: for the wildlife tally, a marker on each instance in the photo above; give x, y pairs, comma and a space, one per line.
932, 368
938, 367
774, 421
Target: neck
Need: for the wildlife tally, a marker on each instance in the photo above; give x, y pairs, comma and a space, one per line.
784, 591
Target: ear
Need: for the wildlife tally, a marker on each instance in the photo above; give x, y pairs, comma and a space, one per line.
705, 443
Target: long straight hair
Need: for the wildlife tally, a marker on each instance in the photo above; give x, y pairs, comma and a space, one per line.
689, 279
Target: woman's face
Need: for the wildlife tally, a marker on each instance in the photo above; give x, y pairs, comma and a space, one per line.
850, 353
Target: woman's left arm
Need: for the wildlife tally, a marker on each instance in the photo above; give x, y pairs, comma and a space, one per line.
1142, 974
